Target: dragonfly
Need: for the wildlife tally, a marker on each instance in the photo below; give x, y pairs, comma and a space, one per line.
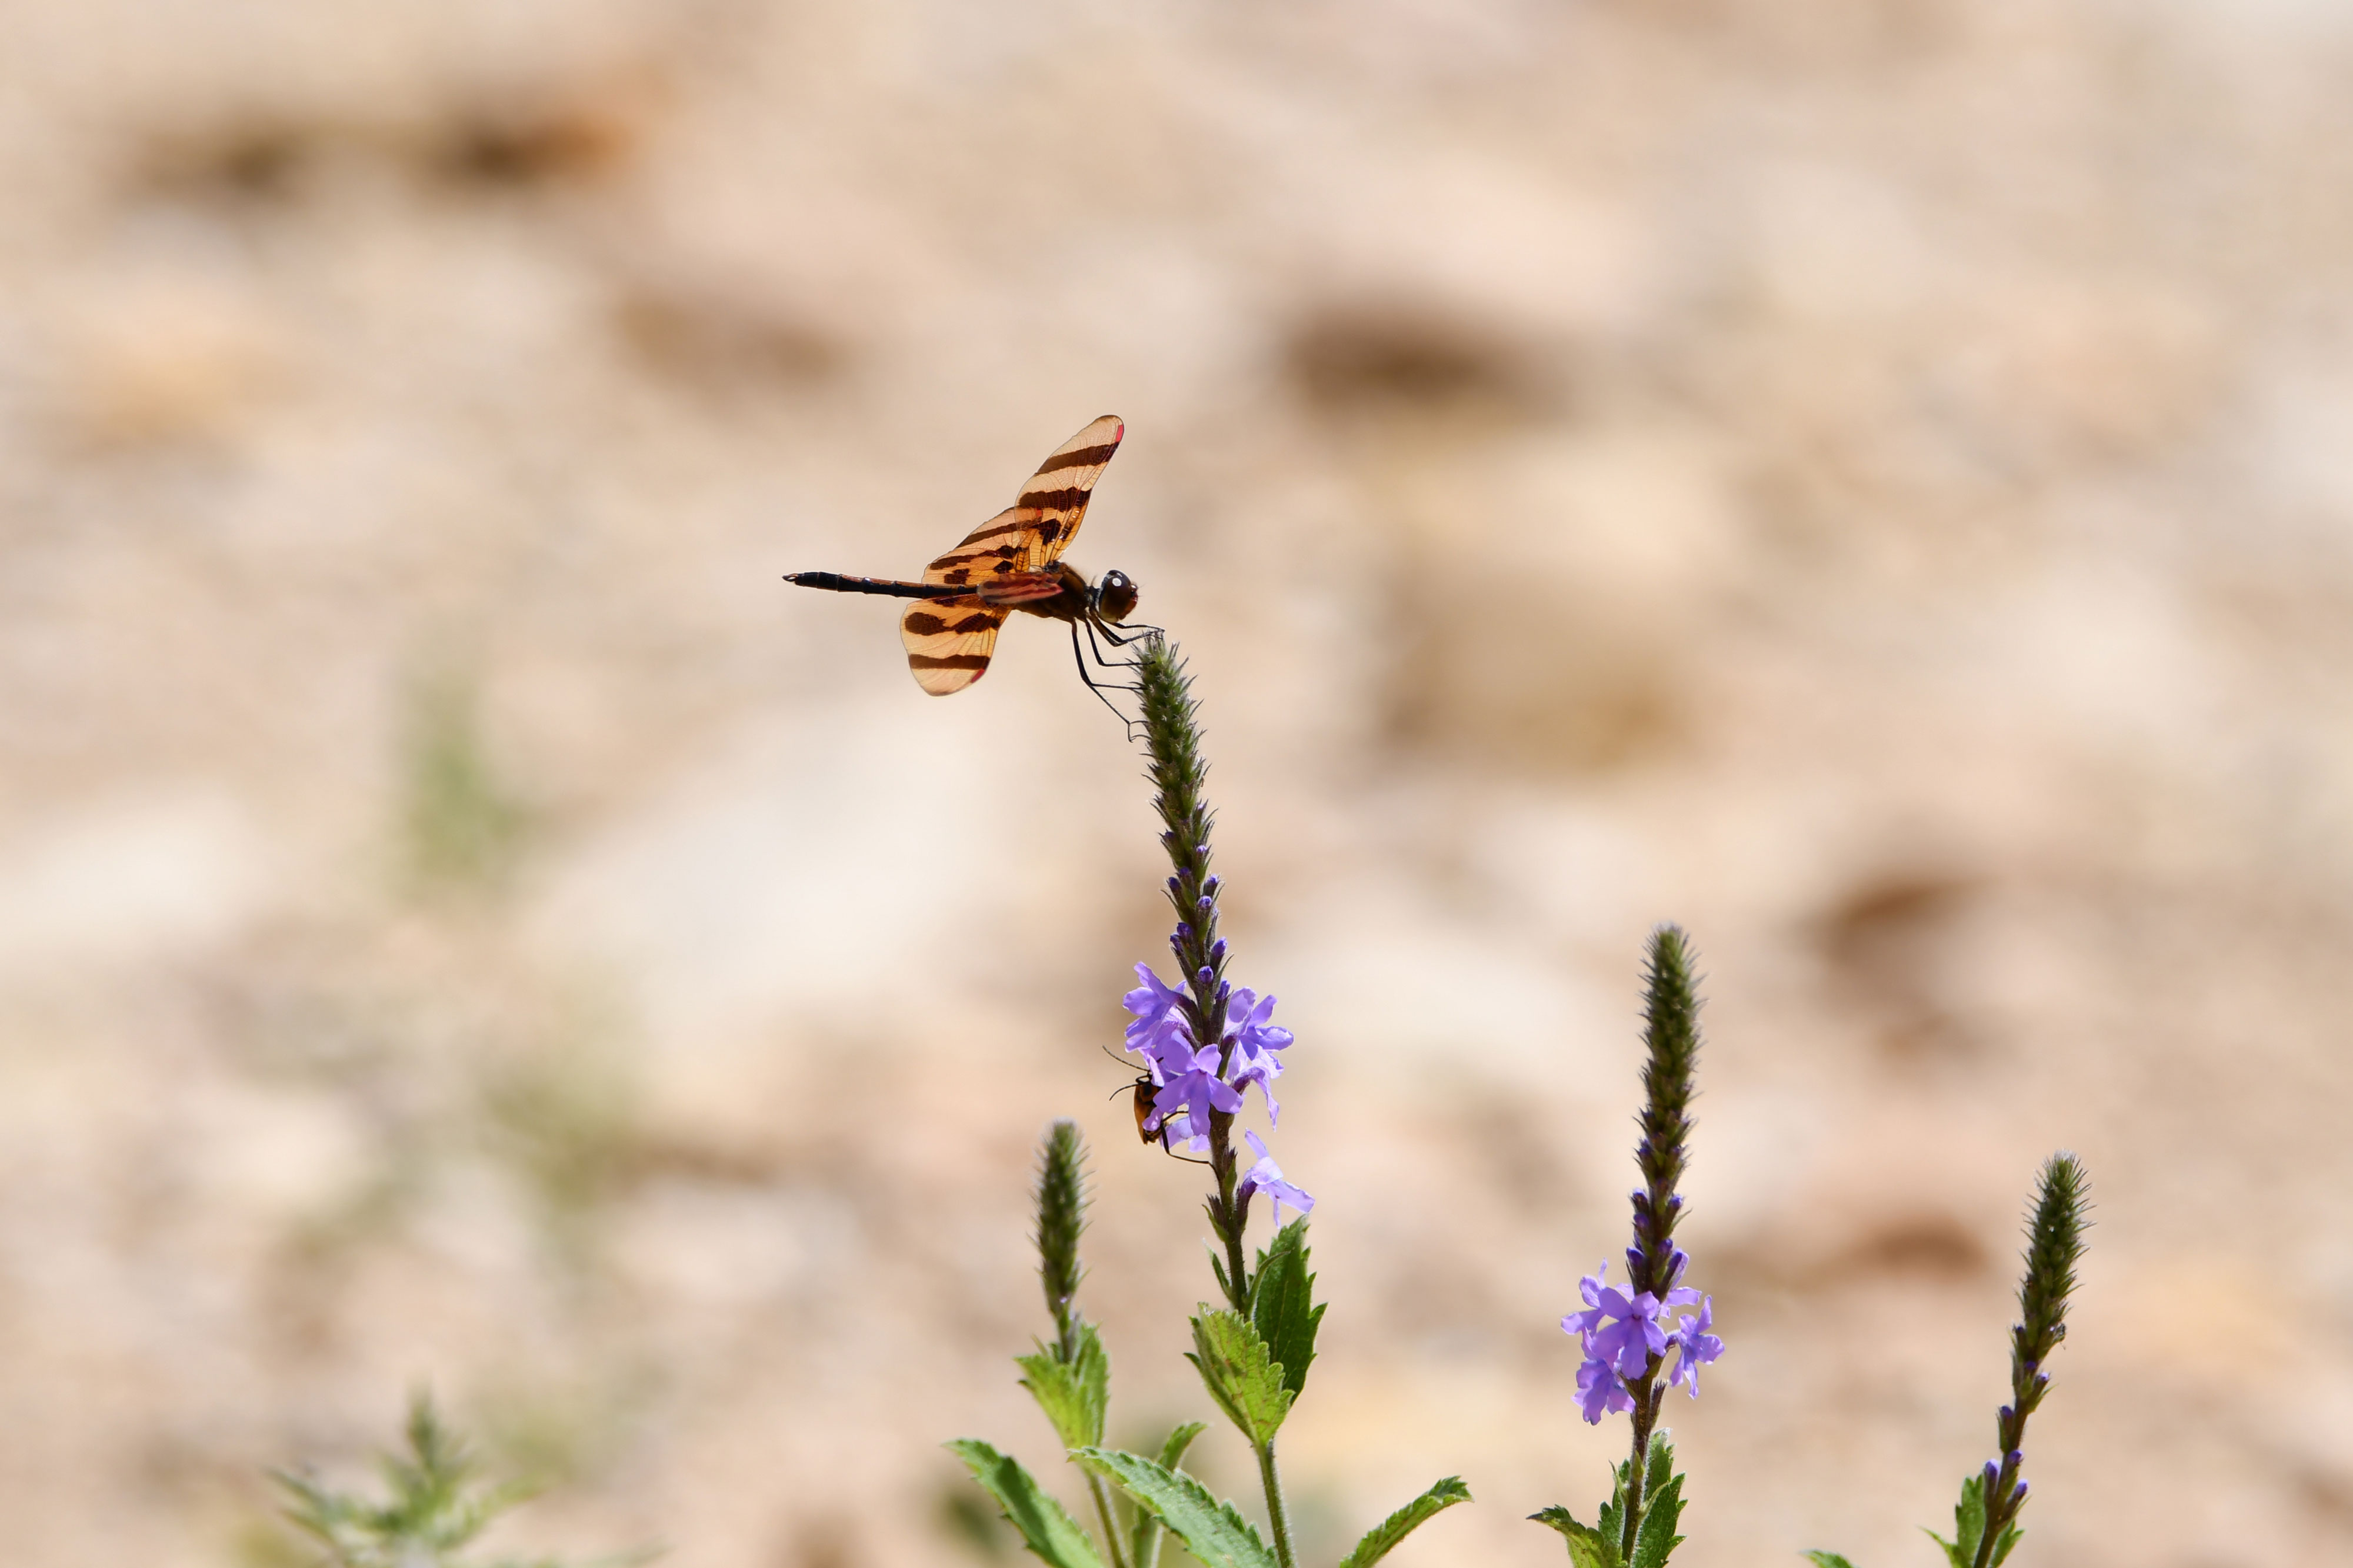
1012, 562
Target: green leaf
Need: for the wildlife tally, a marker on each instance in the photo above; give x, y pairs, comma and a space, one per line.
1210, 1530
1612, 1522
1663, 1507
1073, 1393
1144, 1544
1660, 1463
1172, 1452
1048, 1531
2003, 1543
1382, 1538
1588, 1547
1240, 1374
1828, 1559
1282, 1307
1968, 1524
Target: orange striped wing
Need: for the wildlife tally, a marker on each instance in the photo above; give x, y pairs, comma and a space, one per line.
1054, 502
949, 641
1031, 534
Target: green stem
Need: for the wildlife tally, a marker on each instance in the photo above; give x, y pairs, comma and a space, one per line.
1110, 1520
1647, 1395
1277, 1515
1224, 1213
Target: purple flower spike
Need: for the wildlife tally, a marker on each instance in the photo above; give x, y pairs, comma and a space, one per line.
1266, 1176
1694, 1346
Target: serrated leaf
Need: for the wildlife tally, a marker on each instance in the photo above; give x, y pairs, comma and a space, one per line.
1968, 1524
1588, 1547
1612, 1522
1048, 1531
1144, 1543
2003, 1543
1240, 1374
1073, 1394
1283, 1304
1659, 1462
1656, 1537
1382, 1539
1211, 1530
1826, 1559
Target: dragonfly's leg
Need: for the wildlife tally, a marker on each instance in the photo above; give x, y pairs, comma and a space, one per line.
1121, 636
1078, 655
1117, 641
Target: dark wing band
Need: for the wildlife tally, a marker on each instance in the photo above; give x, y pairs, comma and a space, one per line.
1054, 502
949, 641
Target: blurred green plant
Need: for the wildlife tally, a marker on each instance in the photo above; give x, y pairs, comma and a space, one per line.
435, 1509
563, 1116
465, 828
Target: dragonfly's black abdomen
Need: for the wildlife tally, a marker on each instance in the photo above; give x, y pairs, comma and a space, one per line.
841, 584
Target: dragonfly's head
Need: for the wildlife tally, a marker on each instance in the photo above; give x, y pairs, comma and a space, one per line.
1115, 596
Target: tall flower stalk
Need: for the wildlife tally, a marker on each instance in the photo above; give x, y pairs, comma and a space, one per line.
1191, 1050
1204, 1043
1172, 734
2054, 1245
1628, 1335
1654, 1263
1985, 1520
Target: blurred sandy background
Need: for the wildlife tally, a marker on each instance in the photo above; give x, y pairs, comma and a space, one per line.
1871, 480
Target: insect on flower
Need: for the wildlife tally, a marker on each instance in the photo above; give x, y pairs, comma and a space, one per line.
1150, 1126
1012, 562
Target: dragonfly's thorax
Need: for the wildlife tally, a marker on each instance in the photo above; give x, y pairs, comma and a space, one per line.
1074, 602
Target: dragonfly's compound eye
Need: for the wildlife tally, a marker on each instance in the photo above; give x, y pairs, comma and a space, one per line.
1115, 596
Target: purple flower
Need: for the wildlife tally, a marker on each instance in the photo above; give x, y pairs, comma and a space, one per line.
1152, 1002
1694, 1346
1618, 1330
1599, 1390
1186, 1070
1177, 1129
1254, 1042
1190, 1081
1266, 1176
